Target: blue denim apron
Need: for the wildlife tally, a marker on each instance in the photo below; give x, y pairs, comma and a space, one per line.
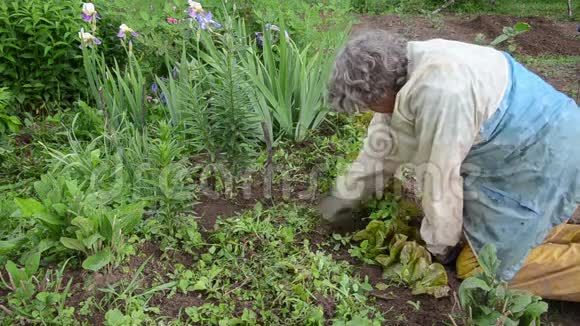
522, 179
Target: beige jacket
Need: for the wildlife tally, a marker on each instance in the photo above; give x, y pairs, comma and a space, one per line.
453, 88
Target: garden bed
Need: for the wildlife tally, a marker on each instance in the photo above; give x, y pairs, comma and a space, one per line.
246, 259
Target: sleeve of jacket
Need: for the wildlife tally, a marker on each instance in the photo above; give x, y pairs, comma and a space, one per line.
443, 102
375, 164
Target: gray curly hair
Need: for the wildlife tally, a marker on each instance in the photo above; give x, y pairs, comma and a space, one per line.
370, 66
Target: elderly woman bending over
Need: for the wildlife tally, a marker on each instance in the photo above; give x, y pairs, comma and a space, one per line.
496, 149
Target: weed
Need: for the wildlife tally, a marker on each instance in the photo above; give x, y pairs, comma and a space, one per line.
436, 20
8, 123
127, 302
36, 297
258, 259
509, 33
487, 301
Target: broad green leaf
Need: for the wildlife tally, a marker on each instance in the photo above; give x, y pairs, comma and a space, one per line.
488, 261
49, 218
468, 286
498, 40
97, 261
519, 303
201, 284
73, 244
31, 263
384, 260
85, 225
522, 27
474, 283
7, 246
95, 156
536, 309
107, 228
91, 240
72, 187
29, 206
420, 268
438, 291
510, 322
45, 244
488, 320
18, 275
115, 317
407, 253
60, 208
131, 215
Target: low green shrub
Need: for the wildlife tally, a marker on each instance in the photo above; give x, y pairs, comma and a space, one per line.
39, 56
487, 301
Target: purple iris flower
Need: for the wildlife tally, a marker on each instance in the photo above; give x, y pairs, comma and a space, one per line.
89, 13
89, 18
259, 39
122, 34
154, 88
206, 18
124, 29
88, 39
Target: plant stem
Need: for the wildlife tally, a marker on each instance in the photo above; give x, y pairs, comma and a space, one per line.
269, 165
443, 7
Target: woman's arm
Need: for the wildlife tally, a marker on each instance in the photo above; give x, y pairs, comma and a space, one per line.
366, 176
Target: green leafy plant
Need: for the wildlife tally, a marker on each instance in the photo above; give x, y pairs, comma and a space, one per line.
127, 301
509, 33
233, 121
79, 220
8, 123
209, 97
262, 257
402, 260
319, 23
34, 296
118, 92
39, 60
487, 301
290, 86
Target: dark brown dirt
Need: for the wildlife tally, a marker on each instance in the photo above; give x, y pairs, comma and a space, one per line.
174, 306
562, 314
210, 209
546, 36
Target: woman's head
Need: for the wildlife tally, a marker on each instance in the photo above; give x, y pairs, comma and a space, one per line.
368, 72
